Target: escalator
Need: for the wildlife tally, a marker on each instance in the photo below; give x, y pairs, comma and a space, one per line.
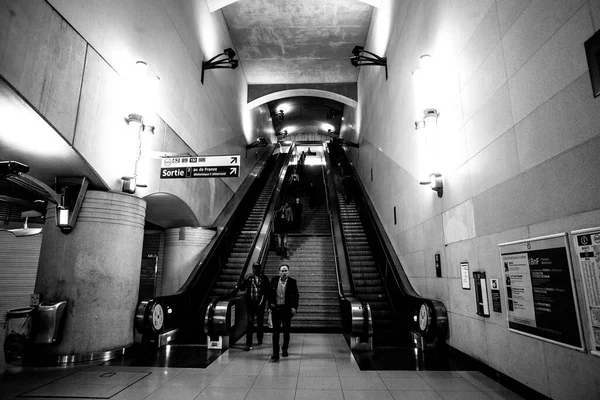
401, 318
311, 261
368, 284
243, 241
180, 318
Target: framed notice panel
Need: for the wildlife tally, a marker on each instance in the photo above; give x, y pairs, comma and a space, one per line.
587, 248
540, 293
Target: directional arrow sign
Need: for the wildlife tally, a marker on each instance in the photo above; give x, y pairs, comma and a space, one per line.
200, 167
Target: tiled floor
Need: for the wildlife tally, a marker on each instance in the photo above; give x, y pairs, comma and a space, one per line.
320, 367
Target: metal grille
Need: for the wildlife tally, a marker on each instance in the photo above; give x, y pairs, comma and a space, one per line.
19, 258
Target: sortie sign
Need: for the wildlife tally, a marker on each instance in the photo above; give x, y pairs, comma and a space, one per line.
200, 167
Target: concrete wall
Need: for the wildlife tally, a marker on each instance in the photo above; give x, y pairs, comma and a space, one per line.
521, 138
68, 59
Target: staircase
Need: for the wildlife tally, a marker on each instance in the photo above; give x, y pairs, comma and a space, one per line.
368, 283
242, 242
311, 261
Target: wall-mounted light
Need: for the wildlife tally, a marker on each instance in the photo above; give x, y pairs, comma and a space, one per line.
143, 89
226, 61
68, 200
359, 59
426, 119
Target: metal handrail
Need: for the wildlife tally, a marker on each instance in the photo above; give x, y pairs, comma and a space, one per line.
393, 268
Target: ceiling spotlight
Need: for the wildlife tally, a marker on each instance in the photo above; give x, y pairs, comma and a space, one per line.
214, 63
359, 58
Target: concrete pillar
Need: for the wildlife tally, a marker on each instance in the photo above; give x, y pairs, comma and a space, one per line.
182, 252
96, 269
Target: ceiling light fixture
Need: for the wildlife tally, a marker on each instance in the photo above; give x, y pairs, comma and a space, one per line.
215, 63
359, 59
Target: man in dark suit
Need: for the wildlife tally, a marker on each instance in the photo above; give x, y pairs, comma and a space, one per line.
284, 303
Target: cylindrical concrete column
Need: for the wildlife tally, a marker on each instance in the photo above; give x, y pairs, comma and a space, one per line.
182, 251
96, 269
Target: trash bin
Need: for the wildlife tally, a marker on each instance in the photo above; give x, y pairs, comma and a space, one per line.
48, 320
18, 332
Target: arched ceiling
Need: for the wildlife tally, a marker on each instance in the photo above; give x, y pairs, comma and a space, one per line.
295, 42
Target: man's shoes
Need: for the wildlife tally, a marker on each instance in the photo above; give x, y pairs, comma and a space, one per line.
284, 353
259, 344
247, 348
275, 357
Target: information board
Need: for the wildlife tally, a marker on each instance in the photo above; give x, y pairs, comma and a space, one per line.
541, 301
587, 247
200, 167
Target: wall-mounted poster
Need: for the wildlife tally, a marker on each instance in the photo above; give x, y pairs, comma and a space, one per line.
541, 301
587, 247
464, 276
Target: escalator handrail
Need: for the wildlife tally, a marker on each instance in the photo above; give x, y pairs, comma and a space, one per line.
361, 321
261, 243
344, 276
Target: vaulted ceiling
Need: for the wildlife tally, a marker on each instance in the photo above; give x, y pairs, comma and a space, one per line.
304, 43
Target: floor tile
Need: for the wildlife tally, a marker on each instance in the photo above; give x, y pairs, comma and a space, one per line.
310, 394
275, 382
362, 383
316, 382
271, 394
405, 383
319, 371
415, 395
438, 374
398, 374
233, 381
175, 392
450, 384
367, 395
222, 394
463, 395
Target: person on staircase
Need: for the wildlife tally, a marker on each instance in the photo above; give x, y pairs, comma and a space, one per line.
283, 305
258, 292
281, 227
297, 214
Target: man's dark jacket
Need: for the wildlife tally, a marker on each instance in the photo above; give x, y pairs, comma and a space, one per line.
265, 287
291, 292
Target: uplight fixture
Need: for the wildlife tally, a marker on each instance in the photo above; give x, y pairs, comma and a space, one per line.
427, 114
226, 61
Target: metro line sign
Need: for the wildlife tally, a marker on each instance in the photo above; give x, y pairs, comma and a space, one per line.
200, 167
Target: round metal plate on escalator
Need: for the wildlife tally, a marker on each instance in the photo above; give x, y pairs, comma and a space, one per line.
158, 317
424, 318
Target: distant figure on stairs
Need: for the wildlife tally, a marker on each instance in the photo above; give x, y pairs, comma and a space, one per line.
280, 227
258, 291
297, 214
348, 184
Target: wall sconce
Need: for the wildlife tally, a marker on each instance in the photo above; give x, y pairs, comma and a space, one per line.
215, 63
280, 115
144, 88
360, 59
67, 205
426, 123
